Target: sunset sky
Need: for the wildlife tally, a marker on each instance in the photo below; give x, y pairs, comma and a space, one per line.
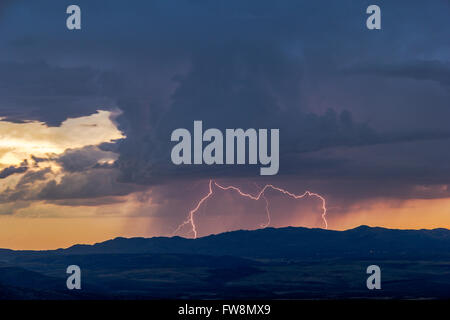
86, 116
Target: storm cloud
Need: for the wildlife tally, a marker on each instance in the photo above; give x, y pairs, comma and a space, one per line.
362, 114
6, 172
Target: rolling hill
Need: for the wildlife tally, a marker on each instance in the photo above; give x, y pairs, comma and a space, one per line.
285, 263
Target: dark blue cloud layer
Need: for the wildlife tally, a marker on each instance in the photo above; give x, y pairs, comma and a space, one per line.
310, 68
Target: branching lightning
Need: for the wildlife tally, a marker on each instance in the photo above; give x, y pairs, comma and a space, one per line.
190, 219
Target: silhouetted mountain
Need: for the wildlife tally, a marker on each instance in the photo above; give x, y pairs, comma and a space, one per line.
267, 263
287, 242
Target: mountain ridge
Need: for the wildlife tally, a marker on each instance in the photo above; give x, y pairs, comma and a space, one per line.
296, 242
284, 263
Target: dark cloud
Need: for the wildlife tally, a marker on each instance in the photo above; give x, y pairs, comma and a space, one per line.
4, 5
249, 90
84, 178
14, 169
32, 177
240, 64
84, 185
432, 70
39, 91
37, 160
77, 160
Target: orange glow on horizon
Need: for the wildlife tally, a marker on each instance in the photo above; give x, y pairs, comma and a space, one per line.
23, 232
408, 214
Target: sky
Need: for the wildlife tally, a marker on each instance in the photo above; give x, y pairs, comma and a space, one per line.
86, 115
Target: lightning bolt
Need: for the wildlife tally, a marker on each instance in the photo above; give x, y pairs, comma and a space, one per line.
190, 218
265, 225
